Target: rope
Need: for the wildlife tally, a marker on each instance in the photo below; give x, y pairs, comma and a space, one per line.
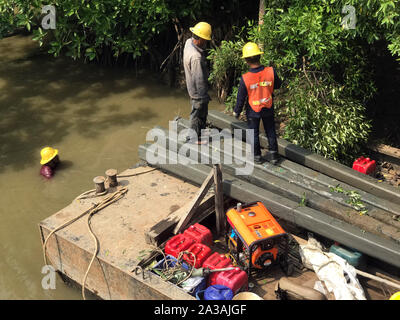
91, 211
106, 202
135, 174
82, 196
168, 273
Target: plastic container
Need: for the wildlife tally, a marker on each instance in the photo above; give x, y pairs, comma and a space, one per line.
218, 292
216, 261
353, 257
235, 279
200, 251
171, 262
194, 285
177, 244
364, 165
199, 233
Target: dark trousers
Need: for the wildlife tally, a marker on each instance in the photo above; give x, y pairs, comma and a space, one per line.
198, 116
269, 126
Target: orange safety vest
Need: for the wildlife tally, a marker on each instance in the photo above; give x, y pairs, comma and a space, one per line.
260, 87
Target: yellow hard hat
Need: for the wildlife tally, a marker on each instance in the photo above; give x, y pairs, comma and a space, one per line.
395, 296
251, 49
47, 153
202, 30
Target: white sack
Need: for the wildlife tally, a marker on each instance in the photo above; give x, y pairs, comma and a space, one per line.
330, 268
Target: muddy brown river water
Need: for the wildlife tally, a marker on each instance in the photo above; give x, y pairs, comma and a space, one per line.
95, 116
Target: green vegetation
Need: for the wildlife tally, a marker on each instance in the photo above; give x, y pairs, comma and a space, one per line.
92, 30
354, 199
325, 57
326, 67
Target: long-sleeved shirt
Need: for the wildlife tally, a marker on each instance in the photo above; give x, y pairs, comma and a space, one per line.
196, 71
242, 96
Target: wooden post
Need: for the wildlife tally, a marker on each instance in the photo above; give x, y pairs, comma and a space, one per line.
195, 202
112, 177
99, 183
219, 199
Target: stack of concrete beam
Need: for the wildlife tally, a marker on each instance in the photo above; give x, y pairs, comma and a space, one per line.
298, 189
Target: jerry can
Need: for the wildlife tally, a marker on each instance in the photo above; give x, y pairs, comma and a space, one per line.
200, 251
177, 244
235, 279
364, 165
199, 233
216, 261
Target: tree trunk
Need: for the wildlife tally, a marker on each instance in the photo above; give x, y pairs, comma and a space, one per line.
261, 12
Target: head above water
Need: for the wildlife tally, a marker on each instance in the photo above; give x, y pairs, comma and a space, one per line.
201, 34
48, 154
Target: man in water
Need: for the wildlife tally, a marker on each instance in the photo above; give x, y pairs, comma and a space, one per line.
256, 92
196, 75
49, 162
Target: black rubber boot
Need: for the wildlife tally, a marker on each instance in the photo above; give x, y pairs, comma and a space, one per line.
258, 160
273, 157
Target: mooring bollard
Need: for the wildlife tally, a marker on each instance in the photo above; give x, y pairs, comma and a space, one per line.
112, 177
99, 183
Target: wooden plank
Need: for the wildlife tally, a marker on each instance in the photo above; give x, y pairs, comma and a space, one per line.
162, 230
219, 199
195, 202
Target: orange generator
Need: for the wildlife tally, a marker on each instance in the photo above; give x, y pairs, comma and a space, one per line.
257, 238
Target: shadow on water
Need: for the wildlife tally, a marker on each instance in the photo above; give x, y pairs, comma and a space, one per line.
34, 99
65, 164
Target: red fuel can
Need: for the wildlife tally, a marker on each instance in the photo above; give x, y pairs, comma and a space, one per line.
177, 244
200, 233
216, 261
235, 279
200, 251
364, 165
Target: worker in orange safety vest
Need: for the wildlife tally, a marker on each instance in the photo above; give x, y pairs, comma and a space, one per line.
256, 93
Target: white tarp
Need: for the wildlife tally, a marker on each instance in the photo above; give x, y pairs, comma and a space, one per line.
331, 269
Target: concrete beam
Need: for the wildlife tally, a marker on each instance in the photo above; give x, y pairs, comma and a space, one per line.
315, 161
308, 218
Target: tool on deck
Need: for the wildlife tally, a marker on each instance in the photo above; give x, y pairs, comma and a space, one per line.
257, 238
204, 272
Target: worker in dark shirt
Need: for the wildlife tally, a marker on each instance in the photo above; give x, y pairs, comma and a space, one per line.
256, 93
49, 161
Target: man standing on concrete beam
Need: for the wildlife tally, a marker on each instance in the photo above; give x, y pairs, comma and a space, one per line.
196, 75
258, 86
